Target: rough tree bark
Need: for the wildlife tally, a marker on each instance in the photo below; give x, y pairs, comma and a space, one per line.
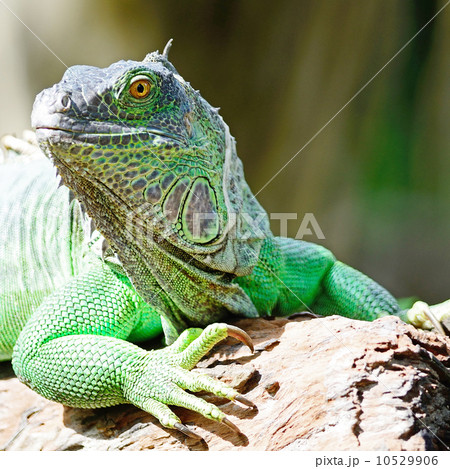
318, 383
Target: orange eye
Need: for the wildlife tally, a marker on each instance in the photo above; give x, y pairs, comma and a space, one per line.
140, 89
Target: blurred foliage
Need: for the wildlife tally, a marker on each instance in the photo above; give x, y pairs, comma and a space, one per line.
377, 177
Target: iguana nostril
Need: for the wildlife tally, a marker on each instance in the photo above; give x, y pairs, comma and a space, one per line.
65, 102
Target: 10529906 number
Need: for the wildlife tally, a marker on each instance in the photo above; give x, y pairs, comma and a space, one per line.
407, 460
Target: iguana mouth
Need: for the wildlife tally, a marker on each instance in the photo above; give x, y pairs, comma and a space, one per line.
92, 137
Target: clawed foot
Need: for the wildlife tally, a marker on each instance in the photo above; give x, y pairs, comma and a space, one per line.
160, 378
25, 146
428, 317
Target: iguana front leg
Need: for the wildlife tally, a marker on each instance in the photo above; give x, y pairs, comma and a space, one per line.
74, 350
347, 292
296, 275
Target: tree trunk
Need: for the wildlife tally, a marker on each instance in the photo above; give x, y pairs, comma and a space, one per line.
319, 384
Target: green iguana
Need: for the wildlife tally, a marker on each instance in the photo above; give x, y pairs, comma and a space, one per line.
179, 243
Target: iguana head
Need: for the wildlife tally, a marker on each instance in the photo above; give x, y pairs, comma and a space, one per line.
149, 157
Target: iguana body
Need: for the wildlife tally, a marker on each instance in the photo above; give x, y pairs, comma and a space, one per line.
145, 155
45, 243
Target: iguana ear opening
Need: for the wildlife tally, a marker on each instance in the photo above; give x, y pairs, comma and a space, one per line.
238, 244
200, 219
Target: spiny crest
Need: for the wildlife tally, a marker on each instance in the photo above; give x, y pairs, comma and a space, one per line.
162, 58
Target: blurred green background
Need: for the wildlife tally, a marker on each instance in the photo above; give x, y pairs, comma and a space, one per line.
377, 178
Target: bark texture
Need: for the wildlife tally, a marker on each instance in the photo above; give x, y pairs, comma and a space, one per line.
318, 383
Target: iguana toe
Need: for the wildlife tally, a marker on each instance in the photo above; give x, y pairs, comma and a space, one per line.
161, 378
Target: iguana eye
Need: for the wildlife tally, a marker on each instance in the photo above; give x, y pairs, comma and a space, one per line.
140, 88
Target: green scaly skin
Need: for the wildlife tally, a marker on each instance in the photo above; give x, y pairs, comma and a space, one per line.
144, 166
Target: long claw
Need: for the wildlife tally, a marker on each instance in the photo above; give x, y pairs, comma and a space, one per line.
240, 335
183, 429
243, 400
231, 425
433, 320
